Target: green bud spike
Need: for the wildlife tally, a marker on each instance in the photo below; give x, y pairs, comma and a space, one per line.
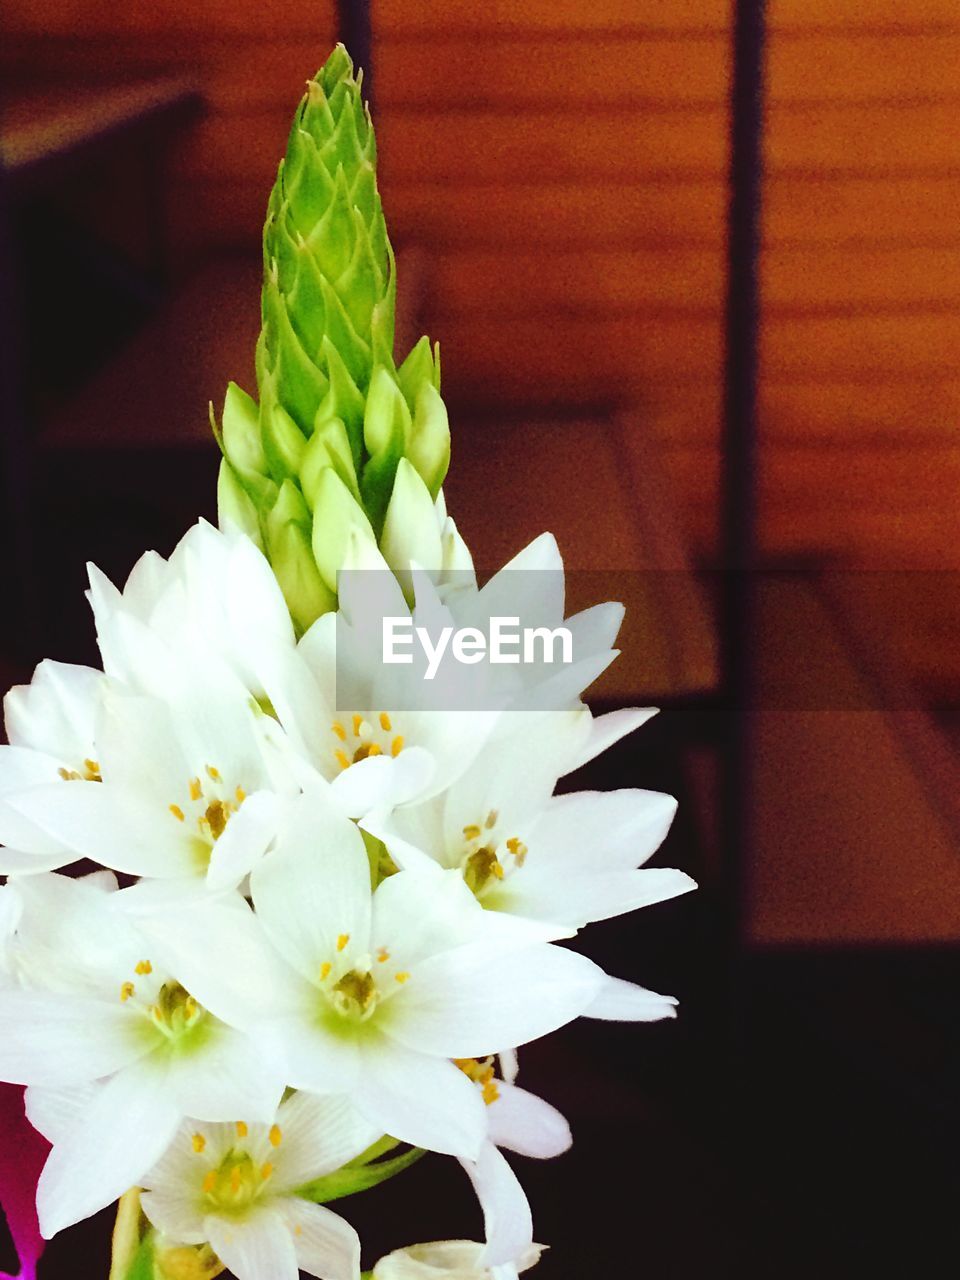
316, 463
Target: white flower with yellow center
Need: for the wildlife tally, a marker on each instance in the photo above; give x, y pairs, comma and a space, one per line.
51, 728
112, 1021
373, 994
186, 786
233, 1188
568, 859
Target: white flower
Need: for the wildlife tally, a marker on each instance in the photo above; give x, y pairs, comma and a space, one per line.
233, 1186
566, 859
449, 1260
50, 726
373, 994
186, 786
216, 595
113, 1023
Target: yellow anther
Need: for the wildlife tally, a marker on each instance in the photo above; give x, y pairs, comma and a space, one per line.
190, 1007
402, 977
513, 844
343, 760
177, 812
472, 832
396, 746
70, 775
357, 722
298, 1230
210, 1182
385, 722
266, 1171
325, 970
374, 749
339, 730
342, 941
143, 967
490, 1091
491, 821
196, 791
93, 770
497, 870
240, 794
213, 772
217, 816
276, 1136
242, 1129
383, 955
126, 991
199, 1142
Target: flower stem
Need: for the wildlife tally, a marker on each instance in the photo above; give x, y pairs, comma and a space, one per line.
126, 1235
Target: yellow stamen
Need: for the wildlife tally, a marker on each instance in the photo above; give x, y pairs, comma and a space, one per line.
190, 1007
497, 870
143, 967
342, 941
213, 772
342, 759
325, 970
177, 812
490, 1091
210, 1182
374, 750
199, 1142
491, 821
357, 722
513, 844
240, 794
65, 774
196, 791
339, 730
126, 991
242, 1129
383, 955
385, 722
396, 746
93, 768
266, 1171
276, 1136
401, 977
472, 832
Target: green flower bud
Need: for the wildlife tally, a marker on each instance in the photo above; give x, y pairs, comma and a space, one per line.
336, 415
289, 550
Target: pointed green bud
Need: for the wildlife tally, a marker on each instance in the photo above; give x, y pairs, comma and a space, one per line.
283, 441
386, 429
235, 505
328, 447
336, 516
410, 531
429, 448
289, 549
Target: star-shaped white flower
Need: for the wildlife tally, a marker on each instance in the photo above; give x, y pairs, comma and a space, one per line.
233, 1187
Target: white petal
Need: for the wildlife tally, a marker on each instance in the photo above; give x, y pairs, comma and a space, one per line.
620, 1001
609, 729
605, 830
56, 712
326, 1245
175, 1212
54, 1112
579, 899
315, 887
310, 1057
380, 782
470, 1002
64, 1040
427, 1102
508, 1225
244, 842
524, 1123
125, 1129
319, 1135
226, 1077
258, 1246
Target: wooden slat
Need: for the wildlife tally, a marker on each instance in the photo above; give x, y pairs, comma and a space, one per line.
863, 139
864, 66
410, 17
889, 15
152, 17
805, 348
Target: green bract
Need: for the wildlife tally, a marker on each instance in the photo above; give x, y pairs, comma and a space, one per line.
315, 461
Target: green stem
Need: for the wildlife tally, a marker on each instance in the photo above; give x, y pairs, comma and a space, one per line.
348, 1181
126, 1235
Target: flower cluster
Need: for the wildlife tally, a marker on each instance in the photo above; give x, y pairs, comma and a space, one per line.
312, 933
